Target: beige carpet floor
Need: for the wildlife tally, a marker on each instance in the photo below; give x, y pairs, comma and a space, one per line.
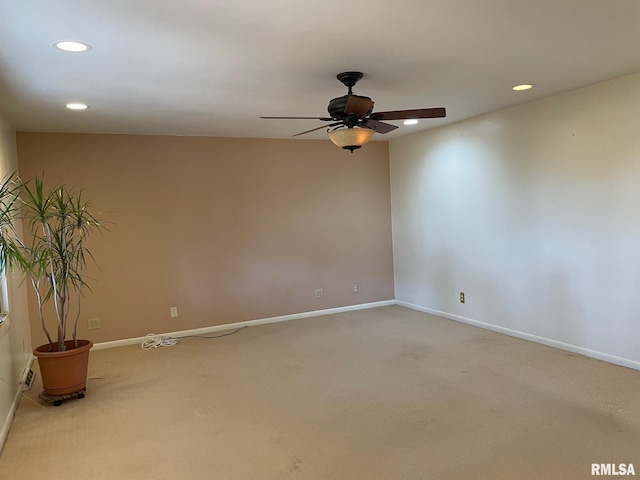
386, 393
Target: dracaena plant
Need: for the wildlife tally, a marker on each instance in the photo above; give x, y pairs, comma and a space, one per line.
52, 252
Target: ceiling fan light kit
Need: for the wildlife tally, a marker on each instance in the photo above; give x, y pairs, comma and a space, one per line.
354, 119
350, 138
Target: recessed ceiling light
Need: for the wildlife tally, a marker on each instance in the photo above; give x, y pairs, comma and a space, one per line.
72, 46
76, 106
523, 86
413, 121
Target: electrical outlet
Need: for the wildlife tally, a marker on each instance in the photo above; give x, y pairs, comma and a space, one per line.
94, 323
174, 312
318, 293
461, 297
355, 288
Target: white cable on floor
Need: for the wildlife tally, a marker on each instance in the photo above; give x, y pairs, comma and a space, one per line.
152, 340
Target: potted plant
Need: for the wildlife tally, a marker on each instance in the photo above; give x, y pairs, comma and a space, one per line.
52, 255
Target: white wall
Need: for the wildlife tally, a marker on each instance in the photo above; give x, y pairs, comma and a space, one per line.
15, 339
534, 213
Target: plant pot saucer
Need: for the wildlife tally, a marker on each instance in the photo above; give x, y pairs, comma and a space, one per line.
58, 399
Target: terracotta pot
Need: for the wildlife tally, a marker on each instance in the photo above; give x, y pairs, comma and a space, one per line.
63, 372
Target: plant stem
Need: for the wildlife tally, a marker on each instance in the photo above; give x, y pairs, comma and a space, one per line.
36, 287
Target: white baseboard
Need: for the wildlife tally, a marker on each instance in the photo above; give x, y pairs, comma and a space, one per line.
14, 405
625, 362
249, 323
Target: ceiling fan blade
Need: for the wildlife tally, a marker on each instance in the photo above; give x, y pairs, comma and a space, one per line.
380, 127
358, 105
318, 128
408, 114
324, 119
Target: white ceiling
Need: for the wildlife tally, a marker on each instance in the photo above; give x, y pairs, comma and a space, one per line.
212, 67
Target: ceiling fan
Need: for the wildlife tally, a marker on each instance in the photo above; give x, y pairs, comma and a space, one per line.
353, 120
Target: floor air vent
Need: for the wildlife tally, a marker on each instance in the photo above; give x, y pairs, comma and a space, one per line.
28, 379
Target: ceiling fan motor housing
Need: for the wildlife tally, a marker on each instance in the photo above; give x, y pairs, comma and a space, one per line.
338, 105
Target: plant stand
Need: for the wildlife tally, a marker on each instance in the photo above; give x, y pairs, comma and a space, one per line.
57, 399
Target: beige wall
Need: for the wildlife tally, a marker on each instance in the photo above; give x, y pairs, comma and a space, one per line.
225, 229
15, 337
